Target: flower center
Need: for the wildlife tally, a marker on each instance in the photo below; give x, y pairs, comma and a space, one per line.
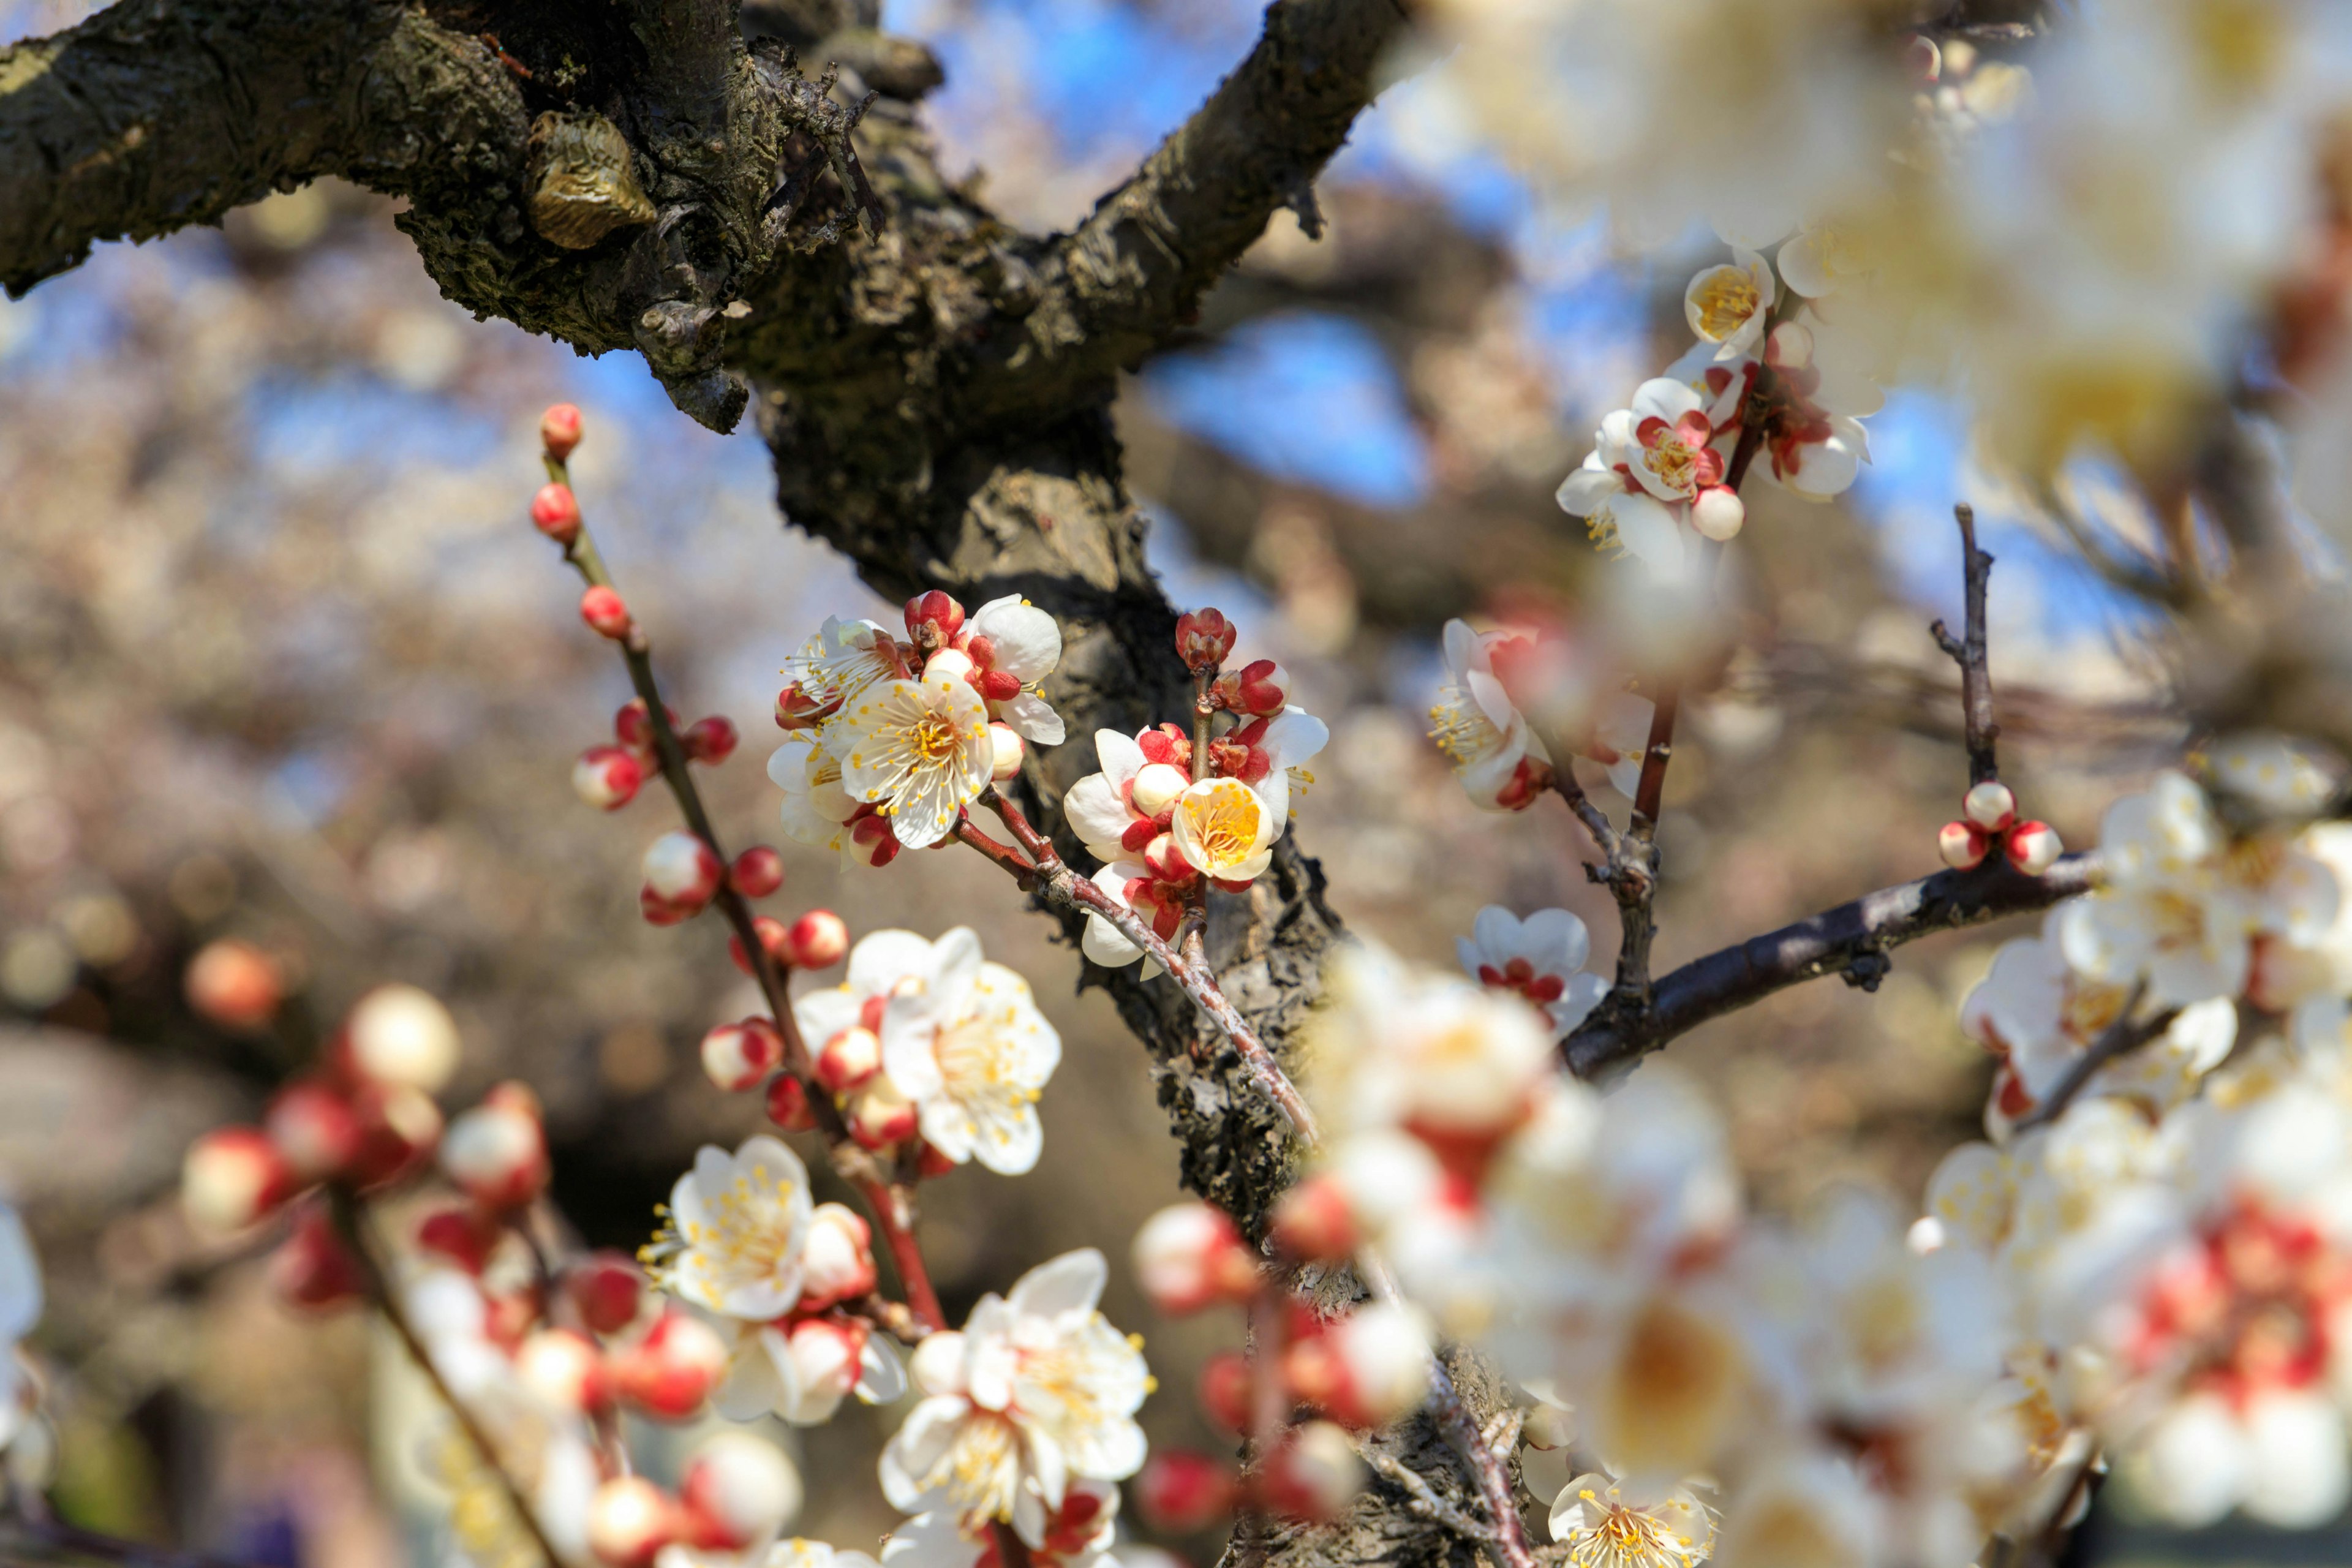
1726, 301
1224, 821
1674, 461
1460, 727
933, 736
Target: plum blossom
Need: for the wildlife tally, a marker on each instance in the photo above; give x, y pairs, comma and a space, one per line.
736, 1228
1651, 463
1078, 1534
799, 1370
919, 750
793, 1551
1012, 645
817, 808
1728, 305
839, 664
1036, 1391
1603, 1526
1121, 809
1225, 829
1541, 958
1501, 763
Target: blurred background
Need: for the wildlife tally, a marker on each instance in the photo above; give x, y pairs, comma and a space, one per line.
280, 660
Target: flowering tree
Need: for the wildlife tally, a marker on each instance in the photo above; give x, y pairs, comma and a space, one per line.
1473, 1233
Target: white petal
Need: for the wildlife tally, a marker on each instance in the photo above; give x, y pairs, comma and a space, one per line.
1032, 719
1664, 397
1070, 1283
1649, 530
1028, 642
1586, 489
883, 958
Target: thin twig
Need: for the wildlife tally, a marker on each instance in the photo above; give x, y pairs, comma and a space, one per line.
1423, 1500
2120, 1038
1970, 652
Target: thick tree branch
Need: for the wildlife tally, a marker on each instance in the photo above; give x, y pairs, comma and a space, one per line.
1834, 940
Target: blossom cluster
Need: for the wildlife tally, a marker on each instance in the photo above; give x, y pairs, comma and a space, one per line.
1513, 696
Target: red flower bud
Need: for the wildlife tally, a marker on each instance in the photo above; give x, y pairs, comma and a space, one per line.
670, 1371
555, 512
1962, 845
680, 869
710, 740
315, 1128
1262, 689
1314, 1223
497, 1153
312, 1268
633, 724
933, 619
818, 939
788, 1104
849, 1060
1204, 639
757, 872
233, 1177
772, 940
630, 1520
1179, 1492
399, 1127
460, 1233
2033, 847
606, 616
1225, 1390
606, 1289
234, 984
607, 777
559, 430
872, 840
739, 1056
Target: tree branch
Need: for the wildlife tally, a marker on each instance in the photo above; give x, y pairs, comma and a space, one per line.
1832, 942
1970, 654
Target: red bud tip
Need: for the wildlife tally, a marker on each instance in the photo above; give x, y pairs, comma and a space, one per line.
680, 869
630, 1520
772, 937
757, 872
710, 740
670, 1371
233, 1177
1204, 639
607, 777
461, 1234
1180, 1492
606, 616
496, 1152
234, 984
1963, 845
933, 619
633, 724
818, 939
1225, 1391
1314, 1221
311, 1267
606, 1290
315, 1128
788, 1104
739, 1056
559, 430
872, 841
555, 512
2033, 847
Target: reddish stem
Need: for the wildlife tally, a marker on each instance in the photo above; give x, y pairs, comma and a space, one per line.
893, 1211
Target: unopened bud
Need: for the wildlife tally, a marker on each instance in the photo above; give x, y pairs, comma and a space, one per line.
1314, 1473
828, 1359
710, 740
234, 984
671, 1372
881, 1115
680, 869
937, 1364
399, 1034
738, 1490
559, 430
233, 1177
872, 840
739, 1056
1226, 1386
316, 1128
605, 1288
633, 724
1314, 1221
1718, 512
606, 616
312, 1268
839, 1261
1156, 787
565, 1369
849, 1060
788, 1104
818, 939
1364, 1371
933, 619
1790, 346
630, 1520
2033, 847
757, 872
1191, 1255
1990, 805
497, 1155
461, 1234
796, 710
1179, 1492
950, 664
555, 512
607, 777
398, 1129
771, 933
1962, 845
1009, 748
1204, 639
1261, 688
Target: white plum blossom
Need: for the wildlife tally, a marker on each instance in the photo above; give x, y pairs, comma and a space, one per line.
799, 1371
736, 1228
919, 750
1604, 1527
1104, 942
1078, 1534
793, 1551
1225, 829
1012, 645
1036, 1391
1727, 305
1103, 807
841, 660
1541, 958
1501, 763
816, 808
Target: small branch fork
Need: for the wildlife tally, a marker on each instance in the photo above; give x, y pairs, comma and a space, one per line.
2119, 1039
892, 1202
1969, 652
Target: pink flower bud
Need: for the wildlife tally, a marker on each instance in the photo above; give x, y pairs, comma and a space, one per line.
1190, 1255
234, 984
1364, 1371
633, 724
1179, 1492
1009, 748
828, 1361
818, 939
1962, 845
401, 1034
497, 1155
315, 1128
1718, 512
233, 1177
1204, 639
658, 911
710, 740
459, 1233
872, 840
757, 872
606, 1289
950, 664
2033, 847
1156, 787
607, 777
606, 616
565, 1369
788, 1104
848, 1061
1314, 1473
1315, 1223
398, 1129
796, 710
933, 619
1261, 688
312, 1268
737, 1489
771, 933
555, 512
839, 1259
630, 1520
671, 1372
739, 1056
680, 869
1990, 805
880, 1115
559, 430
